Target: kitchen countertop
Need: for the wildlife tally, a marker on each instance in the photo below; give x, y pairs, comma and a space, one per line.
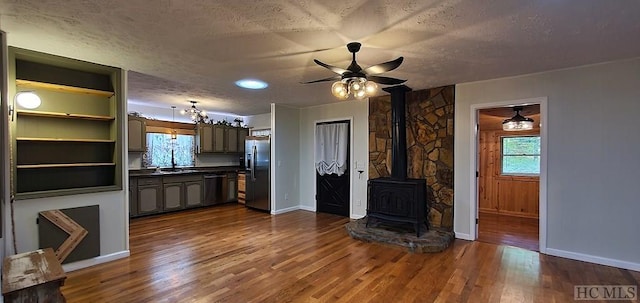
183, 171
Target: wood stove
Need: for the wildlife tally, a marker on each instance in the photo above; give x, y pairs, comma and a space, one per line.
398, 199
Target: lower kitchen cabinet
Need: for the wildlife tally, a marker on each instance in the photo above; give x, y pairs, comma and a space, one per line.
184, 191
241, 188
232, 187
173, 194
157, 194
149, 196
193, 193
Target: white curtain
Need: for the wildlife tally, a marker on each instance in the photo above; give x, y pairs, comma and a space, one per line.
331, 148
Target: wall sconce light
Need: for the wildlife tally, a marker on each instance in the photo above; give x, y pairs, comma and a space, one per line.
26, 99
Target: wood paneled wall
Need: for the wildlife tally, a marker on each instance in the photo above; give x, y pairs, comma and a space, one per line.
508, 195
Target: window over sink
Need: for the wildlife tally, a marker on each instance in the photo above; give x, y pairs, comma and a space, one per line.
160, 146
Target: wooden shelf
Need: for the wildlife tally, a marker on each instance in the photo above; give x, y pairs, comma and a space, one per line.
62, 88
66, 140
63, 115
64, 165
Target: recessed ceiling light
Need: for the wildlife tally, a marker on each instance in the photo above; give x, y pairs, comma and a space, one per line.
252, 84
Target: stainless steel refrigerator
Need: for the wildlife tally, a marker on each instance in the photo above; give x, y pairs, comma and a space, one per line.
257, 162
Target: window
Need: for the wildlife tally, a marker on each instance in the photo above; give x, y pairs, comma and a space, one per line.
521, 155
159, 150
261, 132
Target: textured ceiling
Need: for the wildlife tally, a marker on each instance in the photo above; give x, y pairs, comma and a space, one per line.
196, 49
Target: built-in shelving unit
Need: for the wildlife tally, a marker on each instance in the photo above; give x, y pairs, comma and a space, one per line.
34, 113
62, 88
70, 143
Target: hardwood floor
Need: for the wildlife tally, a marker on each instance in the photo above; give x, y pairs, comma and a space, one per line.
231, 254
508, 230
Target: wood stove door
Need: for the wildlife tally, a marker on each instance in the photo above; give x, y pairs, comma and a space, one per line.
333, 191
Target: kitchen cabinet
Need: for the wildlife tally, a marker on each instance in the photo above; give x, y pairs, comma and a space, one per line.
214, 138
193, 193
149, 195
242, 135
183, 191
232, 187
241, 188
137, 134
231, 137
75, 124
219, 138
173, 196
133, 197
205, 138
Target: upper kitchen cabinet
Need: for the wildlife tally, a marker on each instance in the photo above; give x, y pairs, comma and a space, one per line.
205, 138
214, 138
71, 143
242, 135
219, 138
137, 134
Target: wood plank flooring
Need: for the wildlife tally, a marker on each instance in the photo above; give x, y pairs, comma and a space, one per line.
229, 253
508, 230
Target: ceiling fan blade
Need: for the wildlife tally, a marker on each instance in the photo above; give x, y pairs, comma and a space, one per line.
385, 80
332, 68
334, 78
383, 67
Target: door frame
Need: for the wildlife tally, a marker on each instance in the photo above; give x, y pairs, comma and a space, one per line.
473, 180
315, 179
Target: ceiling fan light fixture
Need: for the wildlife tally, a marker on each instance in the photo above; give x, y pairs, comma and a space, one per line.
356, 81
517, 122
340, 90
371, 87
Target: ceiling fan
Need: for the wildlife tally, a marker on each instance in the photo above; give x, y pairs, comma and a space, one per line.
357, 81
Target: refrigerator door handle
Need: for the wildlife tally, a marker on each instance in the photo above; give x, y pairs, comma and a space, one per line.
253, 167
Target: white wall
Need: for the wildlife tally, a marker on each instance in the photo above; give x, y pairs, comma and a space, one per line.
593, 165
285, 158
262, 121
167, 114
358, 111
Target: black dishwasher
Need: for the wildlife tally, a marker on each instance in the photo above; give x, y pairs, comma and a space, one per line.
215, 188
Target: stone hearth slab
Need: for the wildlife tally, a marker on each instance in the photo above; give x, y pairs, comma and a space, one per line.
434, 240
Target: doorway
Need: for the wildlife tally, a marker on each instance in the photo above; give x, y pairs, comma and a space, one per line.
333, 152
508, 179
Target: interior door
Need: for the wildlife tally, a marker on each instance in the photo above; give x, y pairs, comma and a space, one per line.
333, 191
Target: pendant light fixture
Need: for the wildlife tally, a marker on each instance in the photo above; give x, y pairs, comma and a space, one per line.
174, 134
197, 115
517, 122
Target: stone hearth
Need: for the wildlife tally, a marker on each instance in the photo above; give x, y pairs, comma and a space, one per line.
434, 240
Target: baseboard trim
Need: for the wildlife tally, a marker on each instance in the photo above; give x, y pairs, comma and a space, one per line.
95, 261
285, 210
308, 208
593, 259
464, 236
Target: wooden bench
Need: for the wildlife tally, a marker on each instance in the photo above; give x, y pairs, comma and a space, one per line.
33, 277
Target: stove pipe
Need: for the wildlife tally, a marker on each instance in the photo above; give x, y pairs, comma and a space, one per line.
398, 131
